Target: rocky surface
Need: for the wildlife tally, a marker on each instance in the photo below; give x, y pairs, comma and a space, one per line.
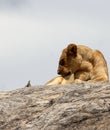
78, 106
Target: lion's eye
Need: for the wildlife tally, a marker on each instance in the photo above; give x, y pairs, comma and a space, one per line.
62, 62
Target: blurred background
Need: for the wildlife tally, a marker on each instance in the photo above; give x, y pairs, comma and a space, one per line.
34, 32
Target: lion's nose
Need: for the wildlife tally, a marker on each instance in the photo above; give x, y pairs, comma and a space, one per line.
58, 72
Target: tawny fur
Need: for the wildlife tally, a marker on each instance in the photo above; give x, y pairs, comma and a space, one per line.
86, 65
60, 80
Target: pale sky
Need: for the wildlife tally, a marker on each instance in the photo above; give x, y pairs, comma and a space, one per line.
34, 32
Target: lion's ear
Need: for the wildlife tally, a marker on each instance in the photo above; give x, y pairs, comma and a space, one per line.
72, 50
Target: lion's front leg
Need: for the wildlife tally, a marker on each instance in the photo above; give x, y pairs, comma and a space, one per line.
68, 79
55, 81
61, 80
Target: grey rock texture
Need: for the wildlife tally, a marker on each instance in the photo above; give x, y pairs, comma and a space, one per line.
78, 106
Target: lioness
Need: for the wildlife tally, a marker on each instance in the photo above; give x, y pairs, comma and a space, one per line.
86, 64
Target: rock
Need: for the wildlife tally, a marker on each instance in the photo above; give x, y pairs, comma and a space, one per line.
77, 106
